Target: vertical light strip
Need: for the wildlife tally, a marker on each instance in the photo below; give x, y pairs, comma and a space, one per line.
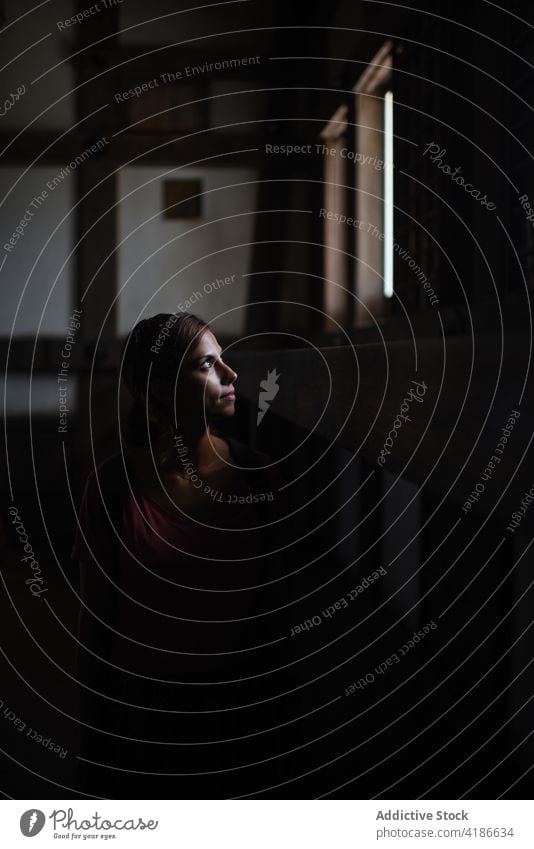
388, 194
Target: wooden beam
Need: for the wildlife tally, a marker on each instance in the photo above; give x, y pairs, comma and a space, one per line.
221, 149
96, 255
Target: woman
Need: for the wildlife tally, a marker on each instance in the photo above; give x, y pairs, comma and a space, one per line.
173, 545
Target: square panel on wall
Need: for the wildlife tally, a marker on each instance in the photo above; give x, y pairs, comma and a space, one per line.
182, 199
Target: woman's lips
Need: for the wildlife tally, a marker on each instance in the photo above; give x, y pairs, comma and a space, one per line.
230, 396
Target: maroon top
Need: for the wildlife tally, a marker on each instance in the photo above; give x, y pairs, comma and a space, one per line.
192, 651
176, 574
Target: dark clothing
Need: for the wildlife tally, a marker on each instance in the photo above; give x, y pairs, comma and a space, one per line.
183, 601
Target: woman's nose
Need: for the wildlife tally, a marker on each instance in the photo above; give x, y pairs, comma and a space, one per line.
230, 375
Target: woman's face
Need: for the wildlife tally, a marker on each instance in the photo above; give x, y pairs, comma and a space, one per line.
204, 384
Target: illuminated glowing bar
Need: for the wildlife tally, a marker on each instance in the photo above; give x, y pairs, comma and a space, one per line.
388, 194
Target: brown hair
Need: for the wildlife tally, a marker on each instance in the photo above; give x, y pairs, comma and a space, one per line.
155, 348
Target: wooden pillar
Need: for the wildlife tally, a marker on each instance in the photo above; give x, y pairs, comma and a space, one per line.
96, 253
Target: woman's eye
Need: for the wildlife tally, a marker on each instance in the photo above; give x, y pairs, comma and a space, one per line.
208, 363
